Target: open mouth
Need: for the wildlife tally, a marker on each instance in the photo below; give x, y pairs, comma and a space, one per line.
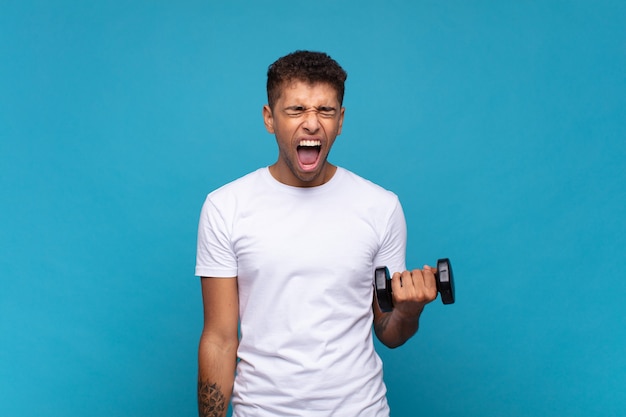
309, 152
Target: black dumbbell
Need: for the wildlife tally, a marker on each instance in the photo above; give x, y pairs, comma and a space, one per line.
443, 277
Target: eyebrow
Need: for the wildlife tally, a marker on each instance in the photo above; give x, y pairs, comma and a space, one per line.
318, 108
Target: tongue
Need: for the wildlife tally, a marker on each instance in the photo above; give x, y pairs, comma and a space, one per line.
307, 155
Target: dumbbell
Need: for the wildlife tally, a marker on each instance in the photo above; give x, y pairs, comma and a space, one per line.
443, 278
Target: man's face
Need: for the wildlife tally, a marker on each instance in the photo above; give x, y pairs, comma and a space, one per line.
305, 119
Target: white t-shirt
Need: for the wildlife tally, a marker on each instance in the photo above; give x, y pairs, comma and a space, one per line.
304, 259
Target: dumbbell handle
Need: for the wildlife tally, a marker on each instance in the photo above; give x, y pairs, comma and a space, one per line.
443, 277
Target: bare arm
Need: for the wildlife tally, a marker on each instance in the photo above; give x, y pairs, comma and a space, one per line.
217, 353
412, 290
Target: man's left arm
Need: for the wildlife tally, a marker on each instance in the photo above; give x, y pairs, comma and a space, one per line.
411, 291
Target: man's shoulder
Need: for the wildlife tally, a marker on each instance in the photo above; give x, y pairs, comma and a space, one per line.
238, 191
250, 180
362, 185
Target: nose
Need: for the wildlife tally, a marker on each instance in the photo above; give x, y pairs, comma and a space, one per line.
311, 123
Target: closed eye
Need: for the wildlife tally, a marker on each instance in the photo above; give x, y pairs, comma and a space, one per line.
326, 111
295, 111
323, 111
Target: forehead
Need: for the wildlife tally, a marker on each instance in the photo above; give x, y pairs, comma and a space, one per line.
303, 92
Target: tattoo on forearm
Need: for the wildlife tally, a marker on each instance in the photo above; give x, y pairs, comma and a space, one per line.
211, 400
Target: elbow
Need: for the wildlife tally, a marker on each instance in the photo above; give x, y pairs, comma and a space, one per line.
394, 335
218, 342
393, 343
390, 340
393, 338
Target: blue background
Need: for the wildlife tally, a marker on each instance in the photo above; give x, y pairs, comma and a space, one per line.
501, 126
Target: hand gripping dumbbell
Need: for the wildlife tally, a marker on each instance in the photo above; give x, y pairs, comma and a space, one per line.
443, 278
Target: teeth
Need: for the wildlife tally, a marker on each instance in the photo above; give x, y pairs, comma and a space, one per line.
310, 143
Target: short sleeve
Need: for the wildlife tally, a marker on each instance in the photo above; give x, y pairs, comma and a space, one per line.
392, 252
215, 256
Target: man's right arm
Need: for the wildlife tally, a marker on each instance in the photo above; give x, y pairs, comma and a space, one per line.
217, 353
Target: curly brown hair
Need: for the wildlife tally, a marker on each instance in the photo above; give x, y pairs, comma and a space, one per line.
307, 66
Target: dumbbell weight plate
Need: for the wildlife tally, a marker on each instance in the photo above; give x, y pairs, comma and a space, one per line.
445, 281
382, 281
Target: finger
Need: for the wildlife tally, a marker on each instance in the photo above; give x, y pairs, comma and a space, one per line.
429, 277
430, 284
422, 289
401, 282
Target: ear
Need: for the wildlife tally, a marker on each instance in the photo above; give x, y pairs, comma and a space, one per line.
268, 118
343, 110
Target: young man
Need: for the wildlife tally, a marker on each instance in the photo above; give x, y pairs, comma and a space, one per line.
287, 253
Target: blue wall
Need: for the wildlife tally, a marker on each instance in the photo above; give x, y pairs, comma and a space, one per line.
501, 126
